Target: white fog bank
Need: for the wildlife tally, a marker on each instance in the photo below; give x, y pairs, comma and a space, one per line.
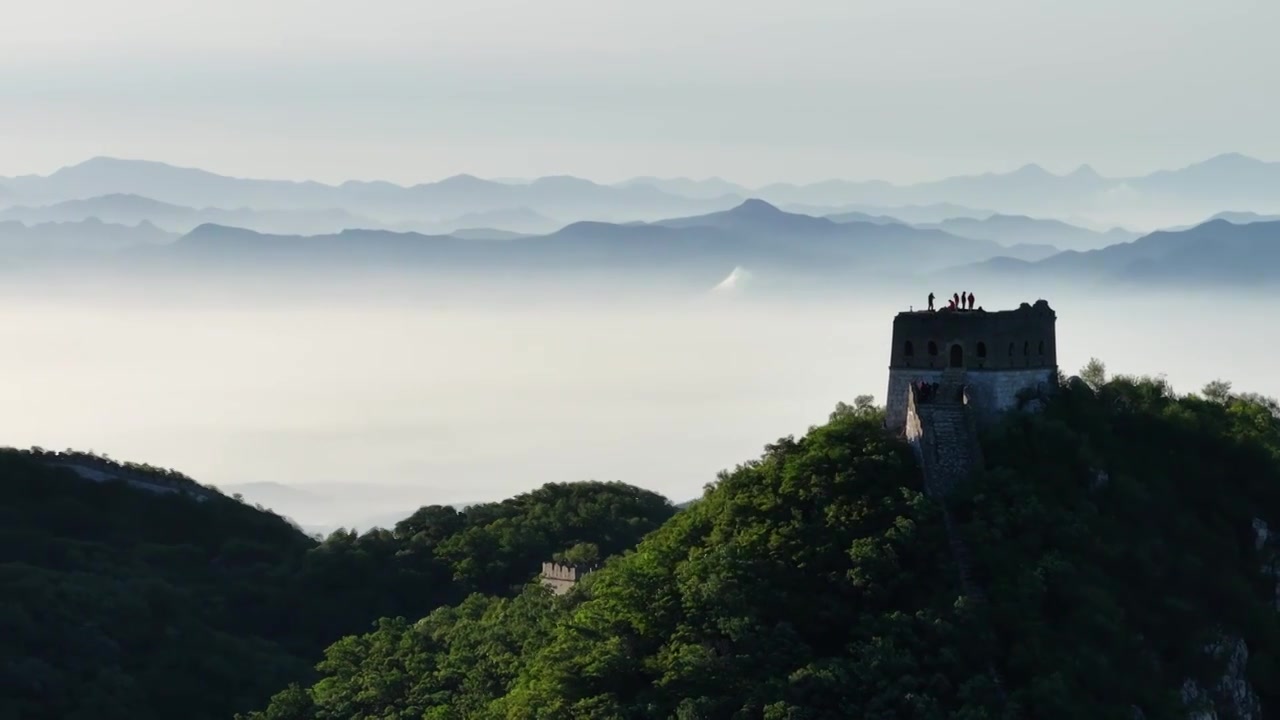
376, 411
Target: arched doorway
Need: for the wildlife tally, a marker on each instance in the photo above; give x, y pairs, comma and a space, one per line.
957, 356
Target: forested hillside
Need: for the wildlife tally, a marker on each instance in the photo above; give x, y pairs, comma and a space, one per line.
123, 603
1116, 534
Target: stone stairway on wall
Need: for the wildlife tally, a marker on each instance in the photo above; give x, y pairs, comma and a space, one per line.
947, 449
953, 380
947, 443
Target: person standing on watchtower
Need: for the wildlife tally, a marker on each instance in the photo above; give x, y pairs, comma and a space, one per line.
930, 302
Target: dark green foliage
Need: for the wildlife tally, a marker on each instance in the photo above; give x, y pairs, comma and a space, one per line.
1115, 534
1112, 533
802, 586
123, 603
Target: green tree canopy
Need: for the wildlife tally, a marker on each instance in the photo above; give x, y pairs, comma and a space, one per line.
1113, 535
123, 603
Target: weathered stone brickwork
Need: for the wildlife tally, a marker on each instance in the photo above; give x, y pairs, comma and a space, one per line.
943, 437
1001, 354
561, 578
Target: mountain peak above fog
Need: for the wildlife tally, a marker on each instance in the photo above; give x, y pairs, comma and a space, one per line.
755, 207
463, 180
1031, 169
756, 215
563, 181
1231, 159
114, 165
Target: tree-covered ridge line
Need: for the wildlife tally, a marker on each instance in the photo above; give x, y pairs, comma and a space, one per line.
106, 464
1114, 531
121, 603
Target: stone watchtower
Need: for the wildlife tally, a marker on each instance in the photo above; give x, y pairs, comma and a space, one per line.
561, 577
996, 355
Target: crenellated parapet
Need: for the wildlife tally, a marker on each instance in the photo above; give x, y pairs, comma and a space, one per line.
560, 577
1001, 355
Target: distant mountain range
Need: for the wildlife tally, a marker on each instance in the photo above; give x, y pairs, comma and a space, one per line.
1013, 229
1217, 252
129, 209
705, 248
1228, 180
560, 196
314, 506
1159, 199
910, 214
754, 239
148, 213
62, 238
1036, 237
1234, 217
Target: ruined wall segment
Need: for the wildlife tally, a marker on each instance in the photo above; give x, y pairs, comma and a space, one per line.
561, 578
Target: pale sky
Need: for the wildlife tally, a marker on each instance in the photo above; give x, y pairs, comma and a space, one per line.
416, 90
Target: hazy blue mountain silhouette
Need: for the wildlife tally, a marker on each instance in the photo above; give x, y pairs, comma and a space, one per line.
1215, 252
1029, 252
132, 209
1236, 217
484, 233
909, 214
829, 192
1030, 186
556, 196
1228, 180
708, 188
87, 236
1012, 229
1243, 218
520, 220
754, 234
856, 216
177, 185
755, 216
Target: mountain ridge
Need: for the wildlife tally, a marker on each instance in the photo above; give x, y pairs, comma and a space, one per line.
1216, 251
1028, 189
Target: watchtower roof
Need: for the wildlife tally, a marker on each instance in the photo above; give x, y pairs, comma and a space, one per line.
1021, 338
1039, 309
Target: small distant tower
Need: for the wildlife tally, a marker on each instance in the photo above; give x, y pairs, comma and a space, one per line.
561, 577
997, 355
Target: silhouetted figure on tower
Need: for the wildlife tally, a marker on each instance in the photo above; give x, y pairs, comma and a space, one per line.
930, 302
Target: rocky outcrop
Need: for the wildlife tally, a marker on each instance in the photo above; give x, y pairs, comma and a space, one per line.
1231, 698
1268, 547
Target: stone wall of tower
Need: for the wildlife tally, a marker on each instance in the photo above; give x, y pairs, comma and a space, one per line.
1000, 340
561, 578
995, 391
992, 391
896, 402
1002, 353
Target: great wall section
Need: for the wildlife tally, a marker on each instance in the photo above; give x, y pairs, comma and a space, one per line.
943, 436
